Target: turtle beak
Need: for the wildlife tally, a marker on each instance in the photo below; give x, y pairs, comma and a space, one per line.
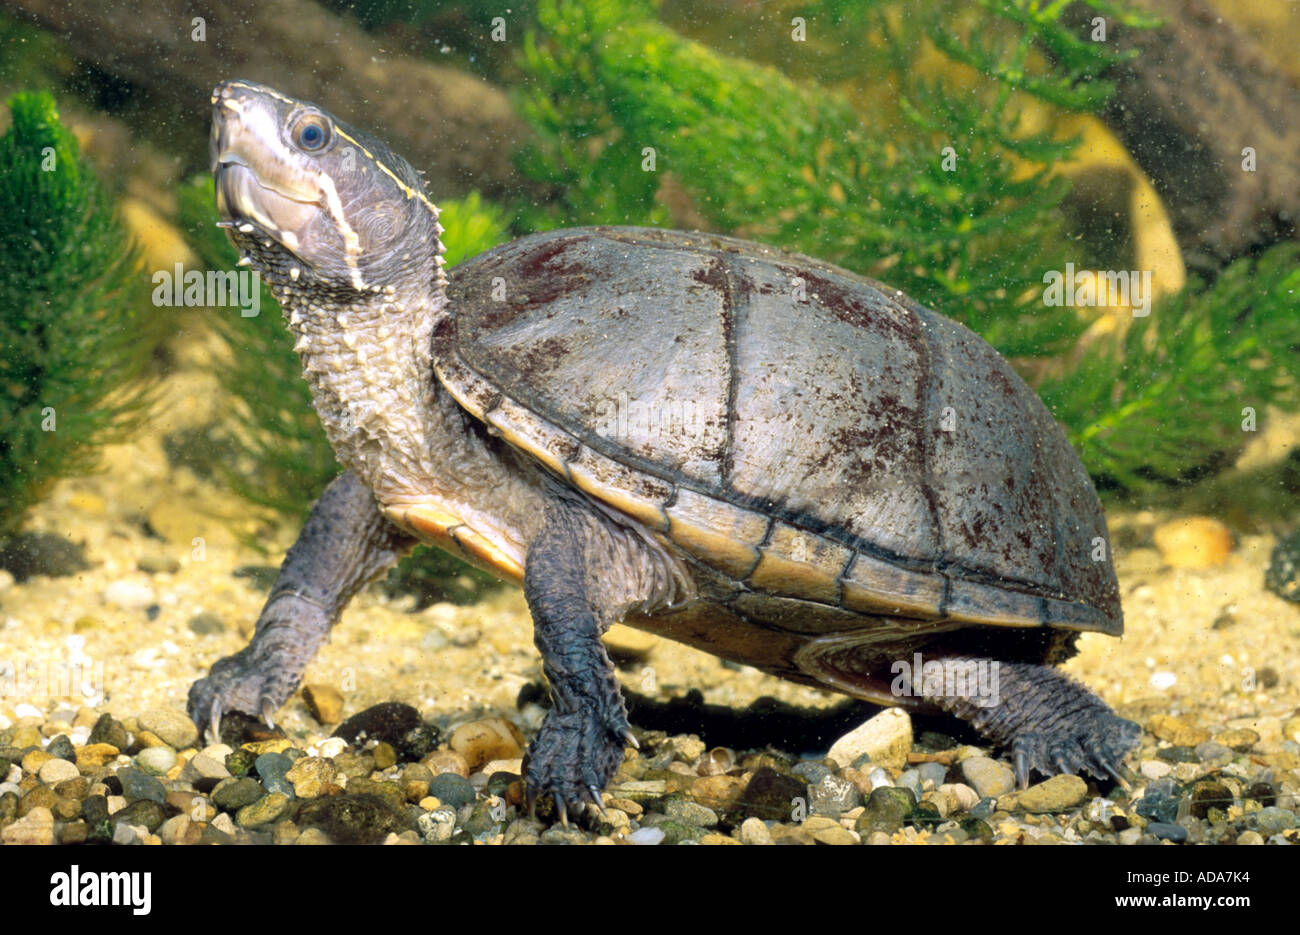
259, 180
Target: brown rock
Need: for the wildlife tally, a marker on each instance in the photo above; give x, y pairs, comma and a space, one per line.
718, 790
1176, 730
1194, 542
36, 827
325, 702
1240, 739
95, 754
1054, 795
310, 775
489, 739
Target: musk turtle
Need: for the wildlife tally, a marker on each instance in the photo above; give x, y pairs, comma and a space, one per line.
750, 451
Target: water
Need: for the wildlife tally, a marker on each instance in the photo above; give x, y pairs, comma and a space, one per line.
161, 452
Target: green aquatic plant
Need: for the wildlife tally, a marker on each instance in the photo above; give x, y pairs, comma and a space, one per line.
943, 193
76, 329
1191, 379
279, 457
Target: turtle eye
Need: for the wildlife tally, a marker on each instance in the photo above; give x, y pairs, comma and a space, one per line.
311, 134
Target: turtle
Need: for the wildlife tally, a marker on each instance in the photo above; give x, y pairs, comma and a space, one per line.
744, 449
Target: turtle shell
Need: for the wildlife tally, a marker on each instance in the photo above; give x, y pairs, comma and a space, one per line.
811, 436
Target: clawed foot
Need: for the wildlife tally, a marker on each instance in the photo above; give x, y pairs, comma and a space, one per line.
1095, 745
572, 757
257, 680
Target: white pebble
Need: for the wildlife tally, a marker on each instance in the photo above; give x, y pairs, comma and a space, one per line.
26, 710
330, 747
1163, 680
646, 836
56, 770
129, 595
1155, 769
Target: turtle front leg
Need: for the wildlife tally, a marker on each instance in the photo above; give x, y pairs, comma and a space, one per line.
583, 572
344, 544
1050, 723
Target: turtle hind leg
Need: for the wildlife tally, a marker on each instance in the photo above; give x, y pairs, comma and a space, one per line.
1049, 722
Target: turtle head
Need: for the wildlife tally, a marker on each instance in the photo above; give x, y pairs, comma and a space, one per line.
306, 197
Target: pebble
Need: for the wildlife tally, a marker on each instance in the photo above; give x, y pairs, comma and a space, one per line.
384, 754
487, 739
452, 790
205, 766
885, 740
446, 761
886, 810
1209, 751
1250, 837
325, 702
155, 564
36, 827
206, 623
61, 747
1282, 576
138, 785
179, 829
173, 727
1154, 769
1273, 820
354, 819
712, 839
989, 778
330, 747
833, 796
156, 760
273, 770
1159, 802
109, 730
646, 836
234, 794
57, 770
691, 813
936, 774
754, 831
769, 795
910, 779
1167, 832
1054, 795
1193, 542
129, 595
1130, 836
1240, 739
1206, 794
835, 835
1176, 730
310, 775
125, 834
628, 643
266, 810
962, 796
390, 721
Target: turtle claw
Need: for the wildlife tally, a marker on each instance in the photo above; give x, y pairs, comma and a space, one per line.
214, 728
1022, 770
268, 711
631, 741
572, 758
